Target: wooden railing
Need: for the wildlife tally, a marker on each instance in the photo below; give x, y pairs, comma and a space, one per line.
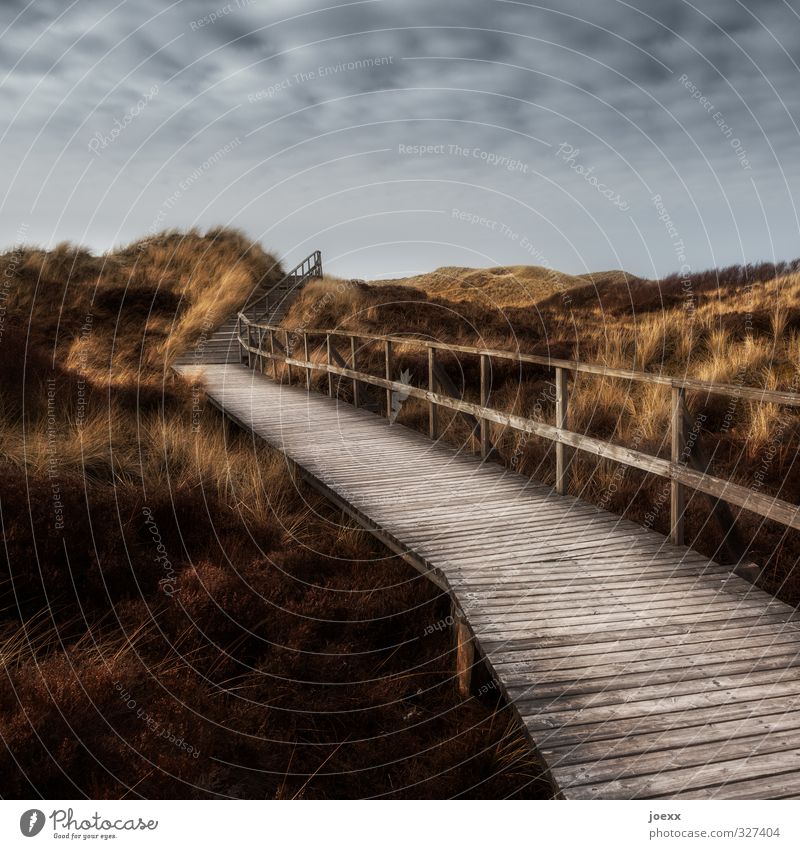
309, 268
262, 343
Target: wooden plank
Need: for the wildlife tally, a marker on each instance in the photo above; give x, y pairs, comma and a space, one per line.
611, 686
676, 781
584, 651
561, 604
616, 769
784, 785
618, 648
498, 598
747, 727
653, 653
580, 637
568, 715
630, 620
612, 732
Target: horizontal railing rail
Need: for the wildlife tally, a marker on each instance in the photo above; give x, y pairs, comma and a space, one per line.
281, 342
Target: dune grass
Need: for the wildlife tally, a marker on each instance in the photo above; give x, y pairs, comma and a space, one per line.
181, 617
739, 325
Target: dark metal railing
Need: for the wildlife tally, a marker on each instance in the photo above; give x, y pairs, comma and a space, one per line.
309, 268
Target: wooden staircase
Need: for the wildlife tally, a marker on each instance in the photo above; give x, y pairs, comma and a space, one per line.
267, 303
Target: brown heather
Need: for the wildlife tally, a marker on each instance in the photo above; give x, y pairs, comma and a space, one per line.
284, 646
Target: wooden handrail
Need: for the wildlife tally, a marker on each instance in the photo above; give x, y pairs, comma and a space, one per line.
676, 469
771, 396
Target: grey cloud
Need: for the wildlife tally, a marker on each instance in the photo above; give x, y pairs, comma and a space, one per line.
590, 83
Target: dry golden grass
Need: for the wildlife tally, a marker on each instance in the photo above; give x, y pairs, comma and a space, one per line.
258, 659
739, 326
125, 316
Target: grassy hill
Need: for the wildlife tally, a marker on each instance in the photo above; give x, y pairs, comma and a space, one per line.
738, 325
504, 286
180, 618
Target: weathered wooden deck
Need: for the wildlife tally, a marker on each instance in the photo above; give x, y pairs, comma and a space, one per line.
640, 668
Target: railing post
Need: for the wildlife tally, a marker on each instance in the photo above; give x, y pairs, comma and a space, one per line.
286, 349
239, 338
260, 355
356, 389
486, 388
272, 357
249, 346
677, 502
562, 398
465, 653
330, 376
387, 350
432, 409
305, 356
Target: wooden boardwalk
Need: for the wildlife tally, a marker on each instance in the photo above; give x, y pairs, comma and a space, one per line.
640, 668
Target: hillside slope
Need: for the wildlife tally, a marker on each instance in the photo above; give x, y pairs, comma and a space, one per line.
505, 286
180, 618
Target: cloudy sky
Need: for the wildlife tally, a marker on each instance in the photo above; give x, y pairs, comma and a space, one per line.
400, 135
